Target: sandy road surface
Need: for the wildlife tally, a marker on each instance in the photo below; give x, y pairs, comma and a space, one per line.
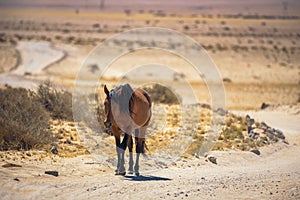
35, 57
274, 174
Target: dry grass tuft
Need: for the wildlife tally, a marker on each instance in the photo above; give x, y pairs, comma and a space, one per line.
58, 103
161, 94
24, 123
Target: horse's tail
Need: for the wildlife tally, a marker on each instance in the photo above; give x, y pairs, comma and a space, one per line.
144, 145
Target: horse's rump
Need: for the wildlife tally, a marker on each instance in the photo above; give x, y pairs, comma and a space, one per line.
133, 103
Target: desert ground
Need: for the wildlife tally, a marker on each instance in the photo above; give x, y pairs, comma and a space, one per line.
255, 48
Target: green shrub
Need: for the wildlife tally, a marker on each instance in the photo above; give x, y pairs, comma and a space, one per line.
24, 123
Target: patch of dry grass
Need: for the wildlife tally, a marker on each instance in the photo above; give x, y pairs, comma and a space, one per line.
24, 123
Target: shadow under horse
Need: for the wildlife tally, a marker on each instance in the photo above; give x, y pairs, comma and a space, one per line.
127, 111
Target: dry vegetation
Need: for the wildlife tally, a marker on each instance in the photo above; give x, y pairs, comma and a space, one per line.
236, 130
34, 120
58, 103
25, 116
24, 122
161, 94
264, 46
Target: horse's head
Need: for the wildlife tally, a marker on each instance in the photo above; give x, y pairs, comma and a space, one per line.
107, 109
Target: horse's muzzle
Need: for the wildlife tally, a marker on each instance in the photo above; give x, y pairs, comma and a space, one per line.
107, 124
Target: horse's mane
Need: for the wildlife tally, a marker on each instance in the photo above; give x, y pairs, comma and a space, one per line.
123, 96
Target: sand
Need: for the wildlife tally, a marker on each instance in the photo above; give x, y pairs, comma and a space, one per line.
237, 175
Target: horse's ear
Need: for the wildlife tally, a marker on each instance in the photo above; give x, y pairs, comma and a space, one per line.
106, 90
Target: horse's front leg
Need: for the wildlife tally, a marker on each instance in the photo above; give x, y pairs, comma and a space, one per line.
117, 139
122, 149
117, 135
130, 147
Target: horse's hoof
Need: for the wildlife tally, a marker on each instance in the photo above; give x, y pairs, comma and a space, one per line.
130, 171
123, 173
137, 173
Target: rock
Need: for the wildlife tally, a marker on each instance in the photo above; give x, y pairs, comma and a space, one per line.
227, 80
263, 125
54, 150
264, 105
285, 142
221, 111
16, 179
212, 159
7, 165
249, 129
250, 120
256, 151
253, 134
279, 134
53, 173
204, 105
270, 135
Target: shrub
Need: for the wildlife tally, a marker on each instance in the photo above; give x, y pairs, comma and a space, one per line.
161, 94
96, 25
85, 107
58, 103
24, 123
186, 27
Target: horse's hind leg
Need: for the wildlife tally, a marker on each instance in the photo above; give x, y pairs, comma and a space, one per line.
140, 145
130, 146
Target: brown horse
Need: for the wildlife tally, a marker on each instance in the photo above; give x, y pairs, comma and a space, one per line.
127, 110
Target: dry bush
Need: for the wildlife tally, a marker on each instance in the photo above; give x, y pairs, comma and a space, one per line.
100, 113
24, 123
87, 106
186, 27
58, 103
161, 94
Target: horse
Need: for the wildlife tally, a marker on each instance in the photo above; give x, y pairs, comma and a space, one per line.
127, 111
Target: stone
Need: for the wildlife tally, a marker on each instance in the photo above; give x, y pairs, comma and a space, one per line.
264, 105
279, 134
253, 134
212, 159
249, 129
221, 111
7, 165
54, 150
250, 120
263, 125
53, 173
256, 151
